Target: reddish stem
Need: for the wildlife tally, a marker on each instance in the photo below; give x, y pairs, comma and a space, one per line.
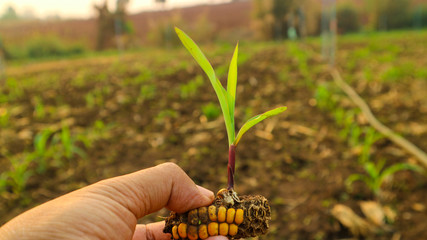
230, 166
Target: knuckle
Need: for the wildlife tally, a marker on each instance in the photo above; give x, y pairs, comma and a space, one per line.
170, 166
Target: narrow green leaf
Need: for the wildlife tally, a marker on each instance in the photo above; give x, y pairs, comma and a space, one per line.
201, 59
253, 121
197, 54
231, 87
357, 177
229, 124
396, 168
371, 169
232, 74
380, 164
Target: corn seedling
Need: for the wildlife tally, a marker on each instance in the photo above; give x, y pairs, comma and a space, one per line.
3, 97
4, 117
42, 153
100, 130
3, 182
370, 137
69, 145
14, 88
20, 172
165, 114
355, 133
191, 88
90, 100
39, 109
146, 92
144, 75
229, 215
96, 97
324, 97
211, 111
376, 174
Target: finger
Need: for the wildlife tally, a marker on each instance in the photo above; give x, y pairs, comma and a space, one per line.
154, 231
150, 232
149, 190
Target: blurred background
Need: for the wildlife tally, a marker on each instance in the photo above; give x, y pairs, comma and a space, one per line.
95, 89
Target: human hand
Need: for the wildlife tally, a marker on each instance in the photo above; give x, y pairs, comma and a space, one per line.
110, 208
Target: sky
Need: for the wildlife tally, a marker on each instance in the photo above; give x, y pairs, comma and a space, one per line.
84, 9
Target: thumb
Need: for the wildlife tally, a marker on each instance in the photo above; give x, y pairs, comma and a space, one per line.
149, 190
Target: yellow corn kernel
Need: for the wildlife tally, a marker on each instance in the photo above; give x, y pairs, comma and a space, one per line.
230, 215
203, 214
212, 213
233, 229
182, 230
192, 232
239, 216
193, 218
175, 232
213, 229
221, 214
203, 231
223, 229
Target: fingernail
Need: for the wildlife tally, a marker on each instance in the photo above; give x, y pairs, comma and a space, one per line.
206, 192
217, 238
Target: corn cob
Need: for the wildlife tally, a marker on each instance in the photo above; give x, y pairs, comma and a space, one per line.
228, 216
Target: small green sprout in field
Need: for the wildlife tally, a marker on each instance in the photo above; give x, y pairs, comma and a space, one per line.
42, 153
211, 111
90, 100
166, 114
20, 172
4, 117
227, 99
144, 75
39, 109
376, 174
3, 182
146, 92
190, 89
15, 89
370, 137
69, 144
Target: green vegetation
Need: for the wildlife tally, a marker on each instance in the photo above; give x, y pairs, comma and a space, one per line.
66, 124
44, 47
377, 174
227, 99
211, 111
191, 88
328, 98
51, 150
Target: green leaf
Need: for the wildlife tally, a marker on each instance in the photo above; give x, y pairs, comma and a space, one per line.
197, 54
200, 58
229, 123
232, 74
380, 164
357, 177
396, 168
231, 87
253, 121
371, 169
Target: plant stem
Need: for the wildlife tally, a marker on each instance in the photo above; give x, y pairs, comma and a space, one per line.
231, 164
